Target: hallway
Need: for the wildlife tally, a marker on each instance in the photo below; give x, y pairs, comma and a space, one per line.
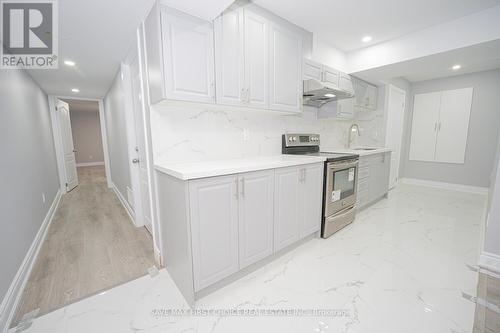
90, 246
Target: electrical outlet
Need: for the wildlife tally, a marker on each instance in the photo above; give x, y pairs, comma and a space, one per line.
43, 197
246, 134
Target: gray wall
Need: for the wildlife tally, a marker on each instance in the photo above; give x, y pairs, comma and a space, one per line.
28, 168
87, 139
482, 138
114, 111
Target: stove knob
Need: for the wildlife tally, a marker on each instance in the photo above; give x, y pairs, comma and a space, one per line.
290, 139
294, 138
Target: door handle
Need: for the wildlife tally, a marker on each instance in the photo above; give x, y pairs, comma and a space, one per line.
74, 150
135, 160
242, 186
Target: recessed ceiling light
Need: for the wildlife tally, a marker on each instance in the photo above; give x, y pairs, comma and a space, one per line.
366, 39
456, 67
75, 90
329, 95
69, 63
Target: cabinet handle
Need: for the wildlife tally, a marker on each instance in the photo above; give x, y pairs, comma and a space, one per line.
212, 89
237, 193
242, 96
435, 127
248, 95
439, 126
303, 175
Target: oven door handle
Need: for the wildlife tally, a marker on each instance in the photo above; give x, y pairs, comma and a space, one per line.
341, 166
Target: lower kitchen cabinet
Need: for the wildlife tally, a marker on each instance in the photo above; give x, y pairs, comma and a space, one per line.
311, 200
214, 228
286, 208
373, 178
297, 203
255, 216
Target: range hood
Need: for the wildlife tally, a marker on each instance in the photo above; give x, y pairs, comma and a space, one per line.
317, 93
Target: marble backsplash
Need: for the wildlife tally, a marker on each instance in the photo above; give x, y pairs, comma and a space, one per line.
182, 134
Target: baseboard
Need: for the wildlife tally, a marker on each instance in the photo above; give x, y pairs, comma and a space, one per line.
13, 295
89, 164
446, 186
124, 203
490, 263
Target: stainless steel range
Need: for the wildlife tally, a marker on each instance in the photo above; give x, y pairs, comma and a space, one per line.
340, 180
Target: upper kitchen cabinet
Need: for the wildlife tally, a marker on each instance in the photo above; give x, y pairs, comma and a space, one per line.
328, 76
258, 62
365, 95
180, 56
285, 63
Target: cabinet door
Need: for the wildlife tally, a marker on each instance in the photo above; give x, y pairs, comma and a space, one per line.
256, 60
330, 77
360, 92
255, 216
214, 229
188, 49
453, 125
372, 95
285, 63
379, 175
286, 211
345, 108
229, 63
345, 82
424, 126
312, 70
310, 199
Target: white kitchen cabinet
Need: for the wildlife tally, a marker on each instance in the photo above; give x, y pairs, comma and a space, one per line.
258, 62
373, 178
331, 77
256, 49
345, 82
255, 216
312, 70
440, 126
285, 69
286, 208
180, 56
310, 199
229, 58
365, 95
213, 208
298, 196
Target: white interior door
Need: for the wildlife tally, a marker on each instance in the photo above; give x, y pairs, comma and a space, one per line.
424, 126
141, 160
68, 147
394, 131
453, 125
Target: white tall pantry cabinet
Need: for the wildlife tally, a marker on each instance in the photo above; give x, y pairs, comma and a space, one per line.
440, 126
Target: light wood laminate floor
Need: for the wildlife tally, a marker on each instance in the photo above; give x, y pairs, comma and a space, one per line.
90, 246
487, 318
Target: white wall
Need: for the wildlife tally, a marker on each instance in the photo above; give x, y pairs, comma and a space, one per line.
328, 55
28, 168
483, 132
116, 129
87, 139
191, 135
492, 233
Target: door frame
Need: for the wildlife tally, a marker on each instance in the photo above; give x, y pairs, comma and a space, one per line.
138, 50
390, 87
57, 136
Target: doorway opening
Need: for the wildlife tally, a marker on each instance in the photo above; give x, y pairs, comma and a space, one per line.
92, 243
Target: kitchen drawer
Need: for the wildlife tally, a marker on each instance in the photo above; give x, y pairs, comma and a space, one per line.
363, 172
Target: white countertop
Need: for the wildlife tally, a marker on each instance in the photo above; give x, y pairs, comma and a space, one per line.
202, 169
359, 152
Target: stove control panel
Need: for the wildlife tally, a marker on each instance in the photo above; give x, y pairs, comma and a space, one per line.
294, 140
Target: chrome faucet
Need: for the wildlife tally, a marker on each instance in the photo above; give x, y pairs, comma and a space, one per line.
354, 128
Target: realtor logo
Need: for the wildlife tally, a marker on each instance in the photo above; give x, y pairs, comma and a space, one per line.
29, 34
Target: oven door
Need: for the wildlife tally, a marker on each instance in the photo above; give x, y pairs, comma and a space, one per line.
341, 183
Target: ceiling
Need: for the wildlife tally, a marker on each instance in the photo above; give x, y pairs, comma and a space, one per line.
96, 35
343, 23
76, 105
476, 58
